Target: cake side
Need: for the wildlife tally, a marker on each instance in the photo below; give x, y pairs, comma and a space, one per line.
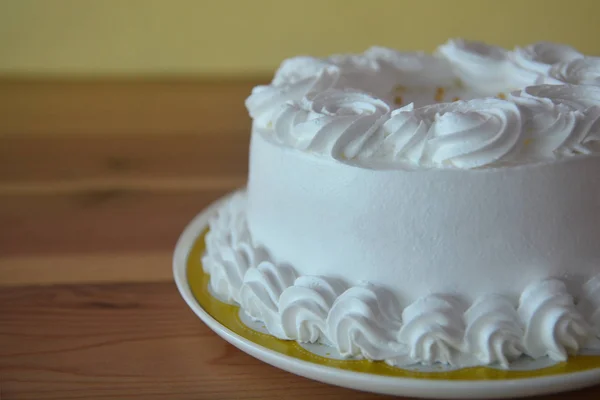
426, 231
367, 320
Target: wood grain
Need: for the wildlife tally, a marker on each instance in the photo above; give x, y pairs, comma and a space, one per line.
65, 237
48, 269
128, 341
121, 107
70, 203
97, 181
73, 161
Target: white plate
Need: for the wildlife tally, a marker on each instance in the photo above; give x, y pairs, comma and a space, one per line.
422, 386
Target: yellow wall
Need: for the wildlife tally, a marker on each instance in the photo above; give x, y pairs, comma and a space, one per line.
175, 37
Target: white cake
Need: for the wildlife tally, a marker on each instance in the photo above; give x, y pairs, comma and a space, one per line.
420, 208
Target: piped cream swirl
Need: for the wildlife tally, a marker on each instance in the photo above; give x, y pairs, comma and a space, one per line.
576, 113
432, 330
580, 71
363, 322
335, 122
266, 101
531, 65
404, 136
473, 134
305, 305
466, 134
477, 64
229, 250
554, 327
412, 68
297, 69
260, 293
540, 57
494, 332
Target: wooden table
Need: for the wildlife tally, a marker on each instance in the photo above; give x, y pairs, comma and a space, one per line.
97, 180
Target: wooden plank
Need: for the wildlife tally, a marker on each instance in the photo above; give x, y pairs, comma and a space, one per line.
69, 204
111, 161
51, 269
129, 341
97, 221
122, 107
94, 235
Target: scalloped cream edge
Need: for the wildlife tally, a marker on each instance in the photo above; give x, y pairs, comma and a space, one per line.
345, 106
366, 320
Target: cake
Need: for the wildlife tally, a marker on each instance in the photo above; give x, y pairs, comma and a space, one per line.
419, 208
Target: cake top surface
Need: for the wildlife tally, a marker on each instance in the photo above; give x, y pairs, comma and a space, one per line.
469, 105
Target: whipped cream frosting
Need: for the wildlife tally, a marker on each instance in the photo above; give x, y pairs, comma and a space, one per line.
579, 71
433, 331
463, 134
305, 306
229, 251
589, 305
366, 320
494, 331
335, 122
421, 208
554, 327
468, 105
